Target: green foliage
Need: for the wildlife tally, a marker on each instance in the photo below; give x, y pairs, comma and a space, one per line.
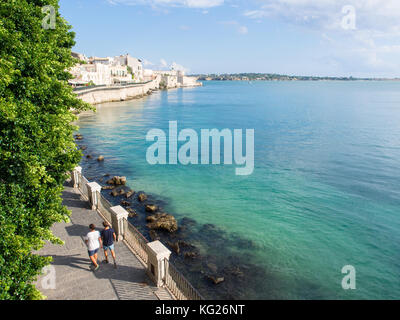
37, 148
130, 71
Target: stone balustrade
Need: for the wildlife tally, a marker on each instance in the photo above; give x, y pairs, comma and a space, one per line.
156, 252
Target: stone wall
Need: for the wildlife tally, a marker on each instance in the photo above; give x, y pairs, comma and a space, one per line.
111, 94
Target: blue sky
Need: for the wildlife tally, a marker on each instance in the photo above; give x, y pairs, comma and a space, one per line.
304, 37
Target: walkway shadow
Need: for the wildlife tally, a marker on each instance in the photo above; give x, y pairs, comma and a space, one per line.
68, 183
106, 271
71, 199
128, 282
71, 261
77, 230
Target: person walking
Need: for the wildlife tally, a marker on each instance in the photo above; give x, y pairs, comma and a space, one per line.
93, 242
108, 237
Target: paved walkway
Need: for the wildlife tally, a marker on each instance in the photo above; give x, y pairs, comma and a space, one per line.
75, 280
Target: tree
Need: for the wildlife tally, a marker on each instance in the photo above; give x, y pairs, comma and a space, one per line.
37, 148
130, 71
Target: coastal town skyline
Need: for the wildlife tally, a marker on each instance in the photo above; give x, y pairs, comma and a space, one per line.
225, 37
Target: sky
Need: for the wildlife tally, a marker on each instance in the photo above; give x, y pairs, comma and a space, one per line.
359, 38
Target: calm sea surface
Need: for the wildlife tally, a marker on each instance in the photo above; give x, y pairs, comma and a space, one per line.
325, 191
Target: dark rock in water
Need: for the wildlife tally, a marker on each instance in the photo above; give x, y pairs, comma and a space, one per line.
107, 187
163, 221
191, 255
216, 280
188, 222
142, 197
213, 267
234, 270
125, 203
106, 175
130, 194
151, 208
209, 227
118, 192
132, 212
83, 148
89, 156
117, 181
154, 235
151, 219
175, 246
184, 244
100, 158
78, 136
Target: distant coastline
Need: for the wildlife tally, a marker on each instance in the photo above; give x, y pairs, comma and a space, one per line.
278, 77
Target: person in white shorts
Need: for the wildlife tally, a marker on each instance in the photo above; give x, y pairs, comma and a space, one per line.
93, 242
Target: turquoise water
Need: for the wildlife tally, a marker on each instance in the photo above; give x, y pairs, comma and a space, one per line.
325, 191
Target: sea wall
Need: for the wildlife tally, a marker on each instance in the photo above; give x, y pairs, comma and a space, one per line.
111, 94
121, 93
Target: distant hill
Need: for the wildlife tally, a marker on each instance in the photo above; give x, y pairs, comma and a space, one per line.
277, 77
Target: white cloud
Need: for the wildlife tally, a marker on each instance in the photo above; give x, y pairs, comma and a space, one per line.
371, 14
163, 63
370, 46
174, 3
179, 67
147, 62
243, 30
239, 28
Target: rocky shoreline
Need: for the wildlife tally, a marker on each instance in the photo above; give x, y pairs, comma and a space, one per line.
196, 249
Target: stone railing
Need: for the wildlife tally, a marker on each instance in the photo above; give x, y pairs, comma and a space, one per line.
178, 285
153, 255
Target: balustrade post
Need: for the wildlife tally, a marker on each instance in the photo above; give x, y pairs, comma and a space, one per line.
75, 176
93, 188
156, 269
118, 216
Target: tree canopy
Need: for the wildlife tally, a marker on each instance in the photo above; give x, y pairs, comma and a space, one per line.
37, 147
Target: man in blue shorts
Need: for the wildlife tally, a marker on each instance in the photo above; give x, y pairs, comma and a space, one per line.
93, 242
108, 236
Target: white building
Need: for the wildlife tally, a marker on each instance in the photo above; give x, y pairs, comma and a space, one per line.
79, 56
99, 71
97, 74
134, 64
124, 69
176, 79
97, 60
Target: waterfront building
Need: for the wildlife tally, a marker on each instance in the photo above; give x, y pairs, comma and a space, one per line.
134, 64
124, 69
97, 74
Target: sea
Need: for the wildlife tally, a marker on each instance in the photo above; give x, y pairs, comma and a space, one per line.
318, 218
